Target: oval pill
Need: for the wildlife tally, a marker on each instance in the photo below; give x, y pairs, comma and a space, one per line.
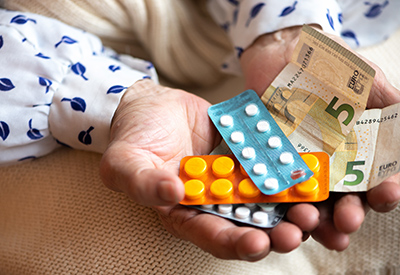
194, 189
251, 109
248, 189
221, 188
195, 167
223, 167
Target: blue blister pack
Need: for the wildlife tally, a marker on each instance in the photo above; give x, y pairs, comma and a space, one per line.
256, 140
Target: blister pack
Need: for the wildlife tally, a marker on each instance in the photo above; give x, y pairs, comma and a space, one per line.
258, 143
264, 215
220, 179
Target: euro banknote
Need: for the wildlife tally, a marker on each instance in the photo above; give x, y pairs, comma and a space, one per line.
320, 94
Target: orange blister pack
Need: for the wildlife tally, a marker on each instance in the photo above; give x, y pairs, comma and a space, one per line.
220, 179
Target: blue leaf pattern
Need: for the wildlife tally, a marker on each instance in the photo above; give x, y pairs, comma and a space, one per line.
288, 10
330, 19
1, 41
6, 84
352, 35
254, 12
116, 89
42, 56
33, 133
239, 51
21, 19
77, 103
375, 10
27, 158
114, 68
45, 82
84, 136
340, 18
79, 69
67, 40
4, 130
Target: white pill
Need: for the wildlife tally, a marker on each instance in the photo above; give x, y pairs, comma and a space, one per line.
262, 126
237, 137
242, 212
268, 207
274, 142
207, 206
260, 169
286, 158
226, 121
248, 152
251, 109
225, 208
250, 205
260, 217
271, 183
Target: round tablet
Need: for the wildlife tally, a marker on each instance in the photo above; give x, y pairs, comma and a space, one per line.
226, 121
248, 189
195, 167
248, 152
194, 189
286, 158
242, 212
260, 169
262, 126
207, 206
312, 162
225, 208
223, 167
307, 188
271, 183
260, 217
251, 109
237, 137
274, 142
221, 188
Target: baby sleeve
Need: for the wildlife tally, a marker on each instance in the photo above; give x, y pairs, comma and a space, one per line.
58, 85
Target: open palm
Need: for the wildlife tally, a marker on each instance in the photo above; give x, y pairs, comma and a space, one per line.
153, 129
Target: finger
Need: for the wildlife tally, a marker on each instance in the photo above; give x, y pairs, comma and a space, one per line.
135, 175
326, 233
285, 237
385, 196
304, 215
215, 235
349, 212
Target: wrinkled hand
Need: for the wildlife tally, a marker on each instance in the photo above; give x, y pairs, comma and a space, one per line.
153, 129
342, 214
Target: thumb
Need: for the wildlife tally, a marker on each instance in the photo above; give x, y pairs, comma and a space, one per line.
136, 175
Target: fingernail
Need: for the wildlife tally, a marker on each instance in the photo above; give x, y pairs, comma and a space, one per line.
166, 191
253, 256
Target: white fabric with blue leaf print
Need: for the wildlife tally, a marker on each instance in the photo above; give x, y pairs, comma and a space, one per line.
359, 23
60, 86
